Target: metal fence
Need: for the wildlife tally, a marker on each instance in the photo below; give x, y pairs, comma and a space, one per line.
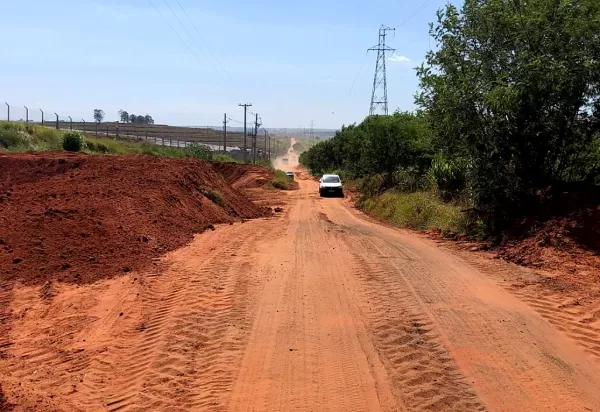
219, 141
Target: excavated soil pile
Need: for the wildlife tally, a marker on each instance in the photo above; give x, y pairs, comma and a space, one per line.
78, 218
243, 177
565, 236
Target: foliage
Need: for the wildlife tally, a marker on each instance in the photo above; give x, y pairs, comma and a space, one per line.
379, 145
199, 151
447, 178
514, 88
223, 158
19, 137
98, 115
73, 141
280, 180
418, 210
213, 195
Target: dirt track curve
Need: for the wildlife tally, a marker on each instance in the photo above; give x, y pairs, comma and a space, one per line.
317, 309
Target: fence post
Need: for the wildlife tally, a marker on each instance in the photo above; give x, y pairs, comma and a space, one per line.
26, 115
42, 117
57, 127
8, 106
96, 129
70, 122
107, 131
83, 120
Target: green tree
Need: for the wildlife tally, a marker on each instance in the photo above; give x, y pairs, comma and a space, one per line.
124, 116
514, 87
98, 115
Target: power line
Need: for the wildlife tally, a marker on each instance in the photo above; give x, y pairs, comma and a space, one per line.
206, 44
186, 29
417, 11
177, 33
357, 75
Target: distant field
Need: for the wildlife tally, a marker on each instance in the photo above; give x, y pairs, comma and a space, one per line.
194, 134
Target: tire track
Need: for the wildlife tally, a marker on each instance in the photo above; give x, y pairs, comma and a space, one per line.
552, 299
183, 354
425, 377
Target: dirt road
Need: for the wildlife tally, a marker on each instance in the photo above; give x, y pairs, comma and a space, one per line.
316, 309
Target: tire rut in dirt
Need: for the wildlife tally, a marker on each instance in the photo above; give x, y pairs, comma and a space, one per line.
424, 375
553, 300
184, 354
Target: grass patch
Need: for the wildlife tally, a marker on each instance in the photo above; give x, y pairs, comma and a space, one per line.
214, 196
281, 180
419, 210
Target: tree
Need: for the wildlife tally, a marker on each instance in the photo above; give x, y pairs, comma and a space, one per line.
139, 119
148, 119
132, 118
514, 87
98, 115
124, 116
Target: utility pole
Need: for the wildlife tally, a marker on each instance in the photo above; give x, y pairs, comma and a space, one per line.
311, 141
245, 106
8, 105
265, 151
225, 133
269, 145
56, 121
379, 100
26, 115
254, 139
42, 117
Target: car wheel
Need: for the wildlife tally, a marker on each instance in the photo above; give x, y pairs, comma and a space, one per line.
320, 193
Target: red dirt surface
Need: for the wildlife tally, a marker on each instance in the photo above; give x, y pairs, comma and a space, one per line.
78, 218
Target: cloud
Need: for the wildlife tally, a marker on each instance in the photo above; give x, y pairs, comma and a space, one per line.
399, 59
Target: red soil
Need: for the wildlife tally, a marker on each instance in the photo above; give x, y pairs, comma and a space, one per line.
78, 218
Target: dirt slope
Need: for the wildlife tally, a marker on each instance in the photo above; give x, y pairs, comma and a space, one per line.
80, 218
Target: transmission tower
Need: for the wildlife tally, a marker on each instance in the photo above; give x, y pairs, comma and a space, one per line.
379, 101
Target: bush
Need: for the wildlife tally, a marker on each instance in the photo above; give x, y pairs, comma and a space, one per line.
447, 178
199, 151
213, 196
419, 210
370, 186
281, 180
223, 158
73, 141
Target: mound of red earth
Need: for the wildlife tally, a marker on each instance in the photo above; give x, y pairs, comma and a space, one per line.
79, 218
569, 244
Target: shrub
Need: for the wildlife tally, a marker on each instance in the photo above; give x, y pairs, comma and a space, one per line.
419, 210
73, 141
370, 186
199, 151
281, 180
447, 178
214, 196
223, 158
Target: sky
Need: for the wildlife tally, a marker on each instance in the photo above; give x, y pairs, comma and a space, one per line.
187, 62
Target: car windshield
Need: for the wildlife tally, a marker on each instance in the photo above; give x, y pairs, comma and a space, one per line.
331, 179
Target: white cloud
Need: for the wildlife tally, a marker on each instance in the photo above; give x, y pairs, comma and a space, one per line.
399, 59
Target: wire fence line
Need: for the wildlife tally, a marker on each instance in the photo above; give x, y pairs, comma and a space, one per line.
219, 141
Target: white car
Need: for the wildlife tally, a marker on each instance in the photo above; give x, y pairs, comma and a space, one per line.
331, 185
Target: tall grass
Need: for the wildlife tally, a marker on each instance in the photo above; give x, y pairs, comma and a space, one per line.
418, 210
281, 180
